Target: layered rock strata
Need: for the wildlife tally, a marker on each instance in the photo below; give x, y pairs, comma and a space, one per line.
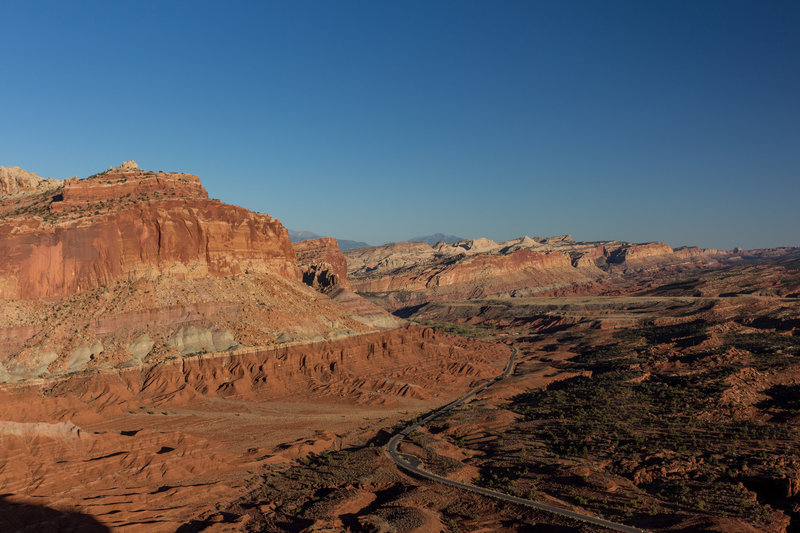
409, 273
322, 263
127, 224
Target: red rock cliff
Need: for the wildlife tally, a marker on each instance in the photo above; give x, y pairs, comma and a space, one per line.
322, 262
630, 252
128, 224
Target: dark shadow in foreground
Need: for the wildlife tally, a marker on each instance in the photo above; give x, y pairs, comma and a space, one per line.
27, 517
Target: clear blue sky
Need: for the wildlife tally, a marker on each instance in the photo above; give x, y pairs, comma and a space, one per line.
376, 121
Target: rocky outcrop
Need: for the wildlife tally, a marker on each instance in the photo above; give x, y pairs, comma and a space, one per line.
127, 224
192, 340
322, 263
590, 257
687, 252
14, 180
559, 238
487, 266
389, 257
324, 267
629, 252
122, 186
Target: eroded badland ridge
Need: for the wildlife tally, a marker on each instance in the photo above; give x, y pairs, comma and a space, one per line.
171, 362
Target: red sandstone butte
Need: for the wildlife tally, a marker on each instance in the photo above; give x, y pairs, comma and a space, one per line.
320, 260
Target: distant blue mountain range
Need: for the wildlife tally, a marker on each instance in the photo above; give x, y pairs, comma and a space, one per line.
298, 236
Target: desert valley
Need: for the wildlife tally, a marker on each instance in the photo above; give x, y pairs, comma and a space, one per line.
170, 362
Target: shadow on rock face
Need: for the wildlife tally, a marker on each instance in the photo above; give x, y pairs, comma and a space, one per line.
23, 517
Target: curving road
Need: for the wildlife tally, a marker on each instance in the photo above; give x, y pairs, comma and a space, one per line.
414, 465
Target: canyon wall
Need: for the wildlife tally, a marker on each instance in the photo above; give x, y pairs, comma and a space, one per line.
371, 368
129, 224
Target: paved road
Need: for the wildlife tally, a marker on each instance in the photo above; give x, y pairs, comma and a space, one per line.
414, 465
